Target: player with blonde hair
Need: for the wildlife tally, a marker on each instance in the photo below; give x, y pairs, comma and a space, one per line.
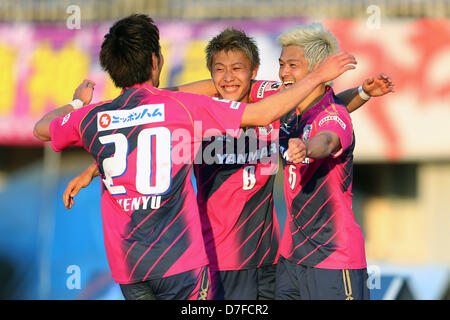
322, 253
250, 225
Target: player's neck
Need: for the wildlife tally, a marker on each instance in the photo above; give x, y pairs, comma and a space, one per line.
310, 100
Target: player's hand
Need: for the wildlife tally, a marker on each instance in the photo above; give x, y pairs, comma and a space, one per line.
296, 150
334, 65
75, 185
379, 85
85, 91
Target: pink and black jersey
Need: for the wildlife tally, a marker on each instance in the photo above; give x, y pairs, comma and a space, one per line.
320, 229
235, 195
144, 143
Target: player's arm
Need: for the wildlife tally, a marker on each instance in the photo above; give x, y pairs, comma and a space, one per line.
205, 87
42, 127
83, 92
321, 146
376, 86
268, 110
79, 182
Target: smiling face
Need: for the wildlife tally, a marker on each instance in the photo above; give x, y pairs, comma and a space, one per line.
232, 75
293, 65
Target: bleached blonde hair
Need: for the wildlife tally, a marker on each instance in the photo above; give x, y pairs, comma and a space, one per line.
316, 42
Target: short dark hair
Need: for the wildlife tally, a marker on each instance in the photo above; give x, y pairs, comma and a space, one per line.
127, 49
229, 40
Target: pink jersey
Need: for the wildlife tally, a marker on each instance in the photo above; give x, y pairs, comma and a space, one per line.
320, 229
235, 196
144, 143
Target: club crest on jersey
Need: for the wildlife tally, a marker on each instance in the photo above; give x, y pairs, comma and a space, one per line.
306, 132
265, 130
235, 105
116, 119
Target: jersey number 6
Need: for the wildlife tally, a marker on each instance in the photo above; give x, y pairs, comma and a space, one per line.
248, 176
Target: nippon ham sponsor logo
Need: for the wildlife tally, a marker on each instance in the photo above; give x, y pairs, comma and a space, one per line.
116, 119
332, 118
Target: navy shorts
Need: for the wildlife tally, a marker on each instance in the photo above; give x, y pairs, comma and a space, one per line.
190, 285
298, 282
248, 284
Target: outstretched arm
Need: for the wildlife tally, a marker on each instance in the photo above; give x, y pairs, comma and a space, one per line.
83, 93
274, 107
376, 86
205, 87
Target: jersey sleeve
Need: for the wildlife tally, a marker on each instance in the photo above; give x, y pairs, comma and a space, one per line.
217, 116
338, 122
65, 130
262, 89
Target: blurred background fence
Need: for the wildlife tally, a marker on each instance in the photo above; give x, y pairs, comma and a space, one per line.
51, 10
402, 158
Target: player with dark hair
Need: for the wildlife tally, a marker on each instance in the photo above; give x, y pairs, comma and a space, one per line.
152, 229
241, 240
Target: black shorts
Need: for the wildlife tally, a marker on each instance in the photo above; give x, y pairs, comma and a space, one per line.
298, 282
248, 284
190, 285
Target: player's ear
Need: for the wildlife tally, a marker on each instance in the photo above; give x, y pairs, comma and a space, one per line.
316, 65
157, 62
161, 60
255, 71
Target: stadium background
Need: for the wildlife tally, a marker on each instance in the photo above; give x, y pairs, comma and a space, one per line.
402, 157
